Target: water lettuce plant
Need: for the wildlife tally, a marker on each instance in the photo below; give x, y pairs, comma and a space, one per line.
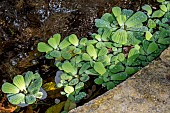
25, 89
126, 41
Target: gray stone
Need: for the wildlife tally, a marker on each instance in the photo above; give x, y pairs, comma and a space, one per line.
147, 91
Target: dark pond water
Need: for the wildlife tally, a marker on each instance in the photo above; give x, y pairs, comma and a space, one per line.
24, 23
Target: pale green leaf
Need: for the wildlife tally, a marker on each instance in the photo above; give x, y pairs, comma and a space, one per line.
108, 17
151, 23
16, 98
160, 0
68, 68
103, 51
163, 8
19, 82
128, 13
92, 51
43, 47
69, 89
158, 14
148, 35
99, 67
120, 36
121, 19
86, 57
73, 40
148, 9
9, 88
116, 11
65, 43
136, 19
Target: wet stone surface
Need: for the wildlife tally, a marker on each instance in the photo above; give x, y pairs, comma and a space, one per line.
145, 92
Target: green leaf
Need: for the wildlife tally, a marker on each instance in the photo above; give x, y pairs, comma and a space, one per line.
69, 89
77, 51
84, 78
133, 51
9, 88
163, 8
80, 96
35, 86
29, 76
148, 35
121, 19
151, 23
152, 47
160, 0
116, 11
116, 68
43, 47
19, 82
148, 9
98, 37
103, 51
56, 108
68, 68
121, 57
74, 40
54, 41
126, 12
65, 43
119, 76
83, 41
65, 76
108, 17
99, 45
106, 34
99, 67
40, 94
120, 36
92, 51
16, 98
110, 85
30, 99
84, 67
158, 14
56, 54
136, 19
74, 81
86, 57
79, 86
132, 39
66, 55
131, 70
98, 81
164, 40
102, 23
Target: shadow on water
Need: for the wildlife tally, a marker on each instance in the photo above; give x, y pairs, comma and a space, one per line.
24, 23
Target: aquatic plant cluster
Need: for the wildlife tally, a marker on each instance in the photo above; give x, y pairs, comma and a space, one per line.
125, 42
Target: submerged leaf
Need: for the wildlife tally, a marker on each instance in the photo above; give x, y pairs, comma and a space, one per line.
9, 88
55, 108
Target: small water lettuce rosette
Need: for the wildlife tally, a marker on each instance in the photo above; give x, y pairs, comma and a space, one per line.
25, 89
